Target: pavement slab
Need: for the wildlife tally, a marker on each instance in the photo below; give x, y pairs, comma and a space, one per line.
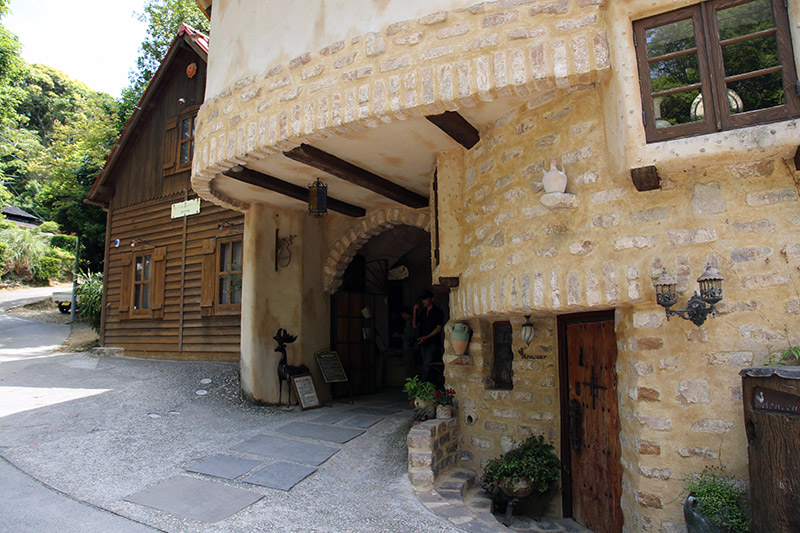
224, 466
332, 418
280, 475
198, 499
339, 435
372, 411
289, 449
362, 421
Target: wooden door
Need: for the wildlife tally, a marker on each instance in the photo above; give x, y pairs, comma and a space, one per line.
353, 340
590, 421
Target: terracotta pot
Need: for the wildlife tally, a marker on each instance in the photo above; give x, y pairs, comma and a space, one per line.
517, 489
554, 180
444, 411
423, 403
460, 338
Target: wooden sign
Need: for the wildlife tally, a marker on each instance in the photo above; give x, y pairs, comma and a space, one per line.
331, 367
189, 207
304, 390
774, 401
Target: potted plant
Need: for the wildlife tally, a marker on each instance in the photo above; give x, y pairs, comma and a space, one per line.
530, 469
420, 392
714, 504
443, 399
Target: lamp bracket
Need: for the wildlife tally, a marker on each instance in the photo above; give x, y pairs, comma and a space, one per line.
696, 311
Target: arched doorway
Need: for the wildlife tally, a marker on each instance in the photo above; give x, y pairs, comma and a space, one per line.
387, 272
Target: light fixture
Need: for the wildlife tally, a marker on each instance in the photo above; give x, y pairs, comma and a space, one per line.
696, 311
317, 199
527, 331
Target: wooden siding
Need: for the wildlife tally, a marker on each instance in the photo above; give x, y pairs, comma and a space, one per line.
138, 174
151, 227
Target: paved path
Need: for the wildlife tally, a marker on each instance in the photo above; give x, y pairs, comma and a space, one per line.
15, 298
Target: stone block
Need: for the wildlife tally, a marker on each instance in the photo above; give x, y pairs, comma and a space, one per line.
645, 447
645, 394
775, 196
751, 253
737, 359
710, 425
668, 363
647, 499
769, 279
707, 199
703, 453
419, 459
751, 169
556, 200
658, 423
421, 479
693, 391
754, 226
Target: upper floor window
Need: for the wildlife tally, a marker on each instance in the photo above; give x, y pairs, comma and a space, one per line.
715, 66
179, 142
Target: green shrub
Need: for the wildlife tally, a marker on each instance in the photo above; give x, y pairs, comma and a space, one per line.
534, 460
3, 254
48, 227
66, 260
424, 390
25, 250
65, 242
49, 268
90, 296
720, 498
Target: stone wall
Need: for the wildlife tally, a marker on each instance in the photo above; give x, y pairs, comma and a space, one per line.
432, 447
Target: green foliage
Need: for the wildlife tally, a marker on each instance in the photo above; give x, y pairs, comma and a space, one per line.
720, 498
49, 268
66, 260
424, 390
90, 295
65, 242
3, 253
48, 227
534, 460
25, 251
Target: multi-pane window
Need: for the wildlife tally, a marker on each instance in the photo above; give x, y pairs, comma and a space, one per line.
142, 275
186, 140
715, 66
502, 369
229, 273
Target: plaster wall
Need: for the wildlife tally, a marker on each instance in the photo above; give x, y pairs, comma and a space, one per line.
281, 31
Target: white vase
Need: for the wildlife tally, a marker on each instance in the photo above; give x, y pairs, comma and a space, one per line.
554, 180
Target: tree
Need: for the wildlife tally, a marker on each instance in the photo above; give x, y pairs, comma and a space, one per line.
163, 18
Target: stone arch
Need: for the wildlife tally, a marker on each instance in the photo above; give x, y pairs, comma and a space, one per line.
359, 233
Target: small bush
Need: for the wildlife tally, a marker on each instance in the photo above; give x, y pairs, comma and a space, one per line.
49, 268
720, 498
49, 227
66, 260
90, 296
65, 242
25, 251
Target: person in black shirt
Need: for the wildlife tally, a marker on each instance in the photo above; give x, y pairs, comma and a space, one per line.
429, 321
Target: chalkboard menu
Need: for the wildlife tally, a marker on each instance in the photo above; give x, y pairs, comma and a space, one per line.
331, 367
303, 385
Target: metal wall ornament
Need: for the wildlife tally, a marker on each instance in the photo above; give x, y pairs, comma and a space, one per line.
696, 310
527, 331
317, 199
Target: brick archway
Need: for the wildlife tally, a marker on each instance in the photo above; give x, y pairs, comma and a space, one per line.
354, 238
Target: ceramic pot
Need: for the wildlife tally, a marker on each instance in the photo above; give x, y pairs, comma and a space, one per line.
418, 402
516, 489
554, 180
444, 411
460, 338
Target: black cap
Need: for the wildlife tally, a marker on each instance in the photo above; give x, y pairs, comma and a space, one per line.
425, 294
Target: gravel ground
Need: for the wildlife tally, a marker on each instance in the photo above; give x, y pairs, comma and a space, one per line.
140, 422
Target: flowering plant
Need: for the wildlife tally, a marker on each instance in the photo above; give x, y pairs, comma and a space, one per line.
444, 396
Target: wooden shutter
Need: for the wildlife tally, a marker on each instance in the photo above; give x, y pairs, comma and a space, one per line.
126, 279
170, 147
159, 269
208, 277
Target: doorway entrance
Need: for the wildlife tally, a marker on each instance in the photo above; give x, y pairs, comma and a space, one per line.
388, 272
590, 421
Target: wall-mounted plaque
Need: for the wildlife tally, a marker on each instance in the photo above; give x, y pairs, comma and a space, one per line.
331, 367
304, 390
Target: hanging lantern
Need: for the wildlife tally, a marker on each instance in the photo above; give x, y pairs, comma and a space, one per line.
527, 331
317, 199
710, 285
666, 293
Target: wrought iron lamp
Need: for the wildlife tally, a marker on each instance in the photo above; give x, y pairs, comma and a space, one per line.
696, 311
527, 331
317, 199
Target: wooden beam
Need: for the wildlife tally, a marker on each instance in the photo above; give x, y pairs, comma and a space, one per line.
646, 178
314, 157
457, 127
265, 181
448, 281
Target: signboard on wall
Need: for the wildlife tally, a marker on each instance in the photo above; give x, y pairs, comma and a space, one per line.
189, 207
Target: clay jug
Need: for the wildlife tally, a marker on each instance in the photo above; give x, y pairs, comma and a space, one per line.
460, 338
554, 180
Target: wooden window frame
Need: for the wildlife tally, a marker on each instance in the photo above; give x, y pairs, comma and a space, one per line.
220, 308
190, 115
146, 311
209, 276
712, 74
173, 141
156, 283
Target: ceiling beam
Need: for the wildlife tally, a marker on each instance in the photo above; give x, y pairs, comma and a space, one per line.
340, 168
265, 181
457, 127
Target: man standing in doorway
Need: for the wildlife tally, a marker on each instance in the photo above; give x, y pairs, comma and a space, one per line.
429, 320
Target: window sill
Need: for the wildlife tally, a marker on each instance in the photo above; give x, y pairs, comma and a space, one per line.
778, 139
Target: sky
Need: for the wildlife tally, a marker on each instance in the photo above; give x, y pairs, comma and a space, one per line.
93, 41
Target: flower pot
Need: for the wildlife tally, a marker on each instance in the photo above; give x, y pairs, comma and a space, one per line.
419, 402
460, 338
444, 411
554, 180
521, 488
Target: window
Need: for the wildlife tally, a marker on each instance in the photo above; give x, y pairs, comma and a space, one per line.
716, 66
142, 274
179, 142
502, 370
229, 273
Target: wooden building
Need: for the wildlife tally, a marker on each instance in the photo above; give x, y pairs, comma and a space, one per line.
172, 260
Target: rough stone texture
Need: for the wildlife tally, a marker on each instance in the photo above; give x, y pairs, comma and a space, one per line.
707, 199
432, 447
693, 391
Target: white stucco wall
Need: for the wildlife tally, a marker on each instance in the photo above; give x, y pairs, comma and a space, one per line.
276, 31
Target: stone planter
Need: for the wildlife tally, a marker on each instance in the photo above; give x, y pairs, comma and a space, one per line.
444, 411
460, 338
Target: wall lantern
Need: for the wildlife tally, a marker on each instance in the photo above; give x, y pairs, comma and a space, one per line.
696, 311
527, 331
317, 199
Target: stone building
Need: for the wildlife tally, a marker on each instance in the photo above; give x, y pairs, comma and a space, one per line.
444, 116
